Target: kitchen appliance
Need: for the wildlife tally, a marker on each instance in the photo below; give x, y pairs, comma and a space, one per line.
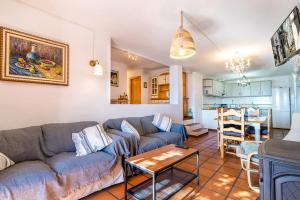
281, 108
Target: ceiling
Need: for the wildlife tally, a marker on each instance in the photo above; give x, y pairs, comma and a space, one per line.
121, 56
147, 27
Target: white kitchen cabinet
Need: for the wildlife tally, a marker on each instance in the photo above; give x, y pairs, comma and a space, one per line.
245, 91
266, 88
228, 89
236, 90
255, 89
213, 87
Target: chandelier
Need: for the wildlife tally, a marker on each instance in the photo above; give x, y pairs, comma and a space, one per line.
183, 45
238, 64
131, 56
243, 82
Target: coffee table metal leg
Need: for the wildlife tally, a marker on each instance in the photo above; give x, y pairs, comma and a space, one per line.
153, 186
198, 168
125, 197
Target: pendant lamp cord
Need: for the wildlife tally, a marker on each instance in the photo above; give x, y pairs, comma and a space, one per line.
181, 19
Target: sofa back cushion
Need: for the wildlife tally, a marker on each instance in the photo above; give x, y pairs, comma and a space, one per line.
57, 138
147, 125
22, 144
116, 124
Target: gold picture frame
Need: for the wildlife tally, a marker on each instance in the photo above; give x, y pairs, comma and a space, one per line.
29, 58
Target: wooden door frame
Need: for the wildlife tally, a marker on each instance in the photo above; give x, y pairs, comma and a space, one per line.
135, 77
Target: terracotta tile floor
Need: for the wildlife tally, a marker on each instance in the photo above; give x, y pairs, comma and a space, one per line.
219, 178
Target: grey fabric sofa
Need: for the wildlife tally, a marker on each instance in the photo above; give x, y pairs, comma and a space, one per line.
47, 168
151, 136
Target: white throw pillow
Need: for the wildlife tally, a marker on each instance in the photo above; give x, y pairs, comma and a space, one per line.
162, 122
90, 140
5, 162
128, 128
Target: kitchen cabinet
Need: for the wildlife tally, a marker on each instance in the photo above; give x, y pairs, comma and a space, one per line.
163, 79
213, 88
266, 88
236, 90
154, 87
228, 89
255, 89
245, 91
261, 88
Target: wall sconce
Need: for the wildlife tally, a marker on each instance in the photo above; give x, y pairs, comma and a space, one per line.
98, 69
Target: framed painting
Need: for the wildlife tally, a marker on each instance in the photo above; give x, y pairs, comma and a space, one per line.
114, 78
28, 58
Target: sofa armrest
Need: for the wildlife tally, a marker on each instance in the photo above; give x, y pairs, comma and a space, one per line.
118, 147
179, 128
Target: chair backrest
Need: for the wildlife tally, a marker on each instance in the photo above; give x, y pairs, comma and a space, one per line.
253, 112
232, 120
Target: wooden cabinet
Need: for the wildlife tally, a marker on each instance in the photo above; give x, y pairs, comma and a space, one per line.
154, 87
163, 79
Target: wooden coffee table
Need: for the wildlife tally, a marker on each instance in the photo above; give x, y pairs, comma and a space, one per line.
160, 163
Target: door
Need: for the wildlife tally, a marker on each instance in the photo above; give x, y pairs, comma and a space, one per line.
135, 90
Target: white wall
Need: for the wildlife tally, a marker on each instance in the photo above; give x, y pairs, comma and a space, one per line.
86, 98
122, 69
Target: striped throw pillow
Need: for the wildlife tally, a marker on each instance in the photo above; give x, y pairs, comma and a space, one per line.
128, 128
162, 122
90, 140
5, 162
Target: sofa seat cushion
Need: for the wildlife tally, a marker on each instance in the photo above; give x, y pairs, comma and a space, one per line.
78, 171
150, 143
169, 137
28, 180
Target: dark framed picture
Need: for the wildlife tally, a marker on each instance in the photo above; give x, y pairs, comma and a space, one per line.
145, 85
114, 78
28, 58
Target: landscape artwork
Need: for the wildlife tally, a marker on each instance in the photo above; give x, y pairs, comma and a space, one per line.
29, 58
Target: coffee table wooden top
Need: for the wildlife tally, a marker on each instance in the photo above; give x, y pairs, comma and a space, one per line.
161, 158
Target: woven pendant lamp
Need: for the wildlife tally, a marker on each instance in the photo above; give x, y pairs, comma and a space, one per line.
183, 45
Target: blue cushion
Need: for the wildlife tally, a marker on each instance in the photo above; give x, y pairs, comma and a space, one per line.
251, 130
231, 133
